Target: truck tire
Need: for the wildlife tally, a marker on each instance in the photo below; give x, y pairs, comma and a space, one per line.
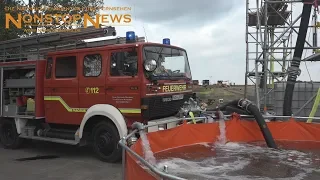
9, 138
105, 142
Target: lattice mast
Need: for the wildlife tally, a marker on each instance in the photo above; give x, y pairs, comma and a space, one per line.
270, 39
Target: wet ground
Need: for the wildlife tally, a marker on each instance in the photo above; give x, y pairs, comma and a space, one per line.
55, 162
242, 161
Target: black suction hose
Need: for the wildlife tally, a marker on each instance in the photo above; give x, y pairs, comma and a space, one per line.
223, 107
293, 70
231, 109
251, 109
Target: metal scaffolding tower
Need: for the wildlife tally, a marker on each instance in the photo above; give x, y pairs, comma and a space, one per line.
271, 31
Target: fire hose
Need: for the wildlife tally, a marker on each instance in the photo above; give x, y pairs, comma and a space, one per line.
244, 106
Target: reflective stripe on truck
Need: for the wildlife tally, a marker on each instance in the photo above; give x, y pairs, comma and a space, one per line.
70, 109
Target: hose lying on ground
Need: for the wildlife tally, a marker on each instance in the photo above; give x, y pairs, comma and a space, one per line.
246, 106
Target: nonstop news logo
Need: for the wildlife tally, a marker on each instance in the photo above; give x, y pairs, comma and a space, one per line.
58, 19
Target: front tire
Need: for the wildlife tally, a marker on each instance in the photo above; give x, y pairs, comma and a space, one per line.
105, 142
9, 137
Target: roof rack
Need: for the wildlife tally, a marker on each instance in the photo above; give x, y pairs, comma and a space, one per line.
82, 44
21, 48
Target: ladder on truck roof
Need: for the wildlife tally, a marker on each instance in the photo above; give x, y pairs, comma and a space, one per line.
36, 47
80, 45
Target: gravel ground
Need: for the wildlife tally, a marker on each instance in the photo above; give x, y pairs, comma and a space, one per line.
66, 163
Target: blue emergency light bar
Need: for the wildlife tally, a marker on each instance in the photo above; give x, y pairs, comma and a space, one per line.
166, 41
130, 36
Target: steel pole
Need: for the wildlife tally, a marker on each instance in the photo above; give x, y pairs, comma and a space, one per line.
265, 57
247, 50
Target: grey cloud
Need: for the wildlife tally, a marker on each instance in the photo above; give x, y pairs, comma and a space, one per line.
216, 49
181, 12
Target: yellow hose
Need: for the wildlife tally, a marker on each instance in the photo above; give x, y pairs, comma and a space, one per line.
192, 117
315, 107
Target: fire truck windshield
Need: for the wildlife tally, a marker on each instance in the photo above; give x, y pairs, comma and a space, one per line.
171, 62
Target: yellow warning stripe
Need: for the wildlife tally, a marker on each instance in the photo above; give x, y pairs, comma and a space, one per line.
69, 109
130, 111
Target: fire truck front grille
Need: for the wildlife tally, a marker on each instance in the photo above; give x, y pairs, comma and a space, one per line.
158, 108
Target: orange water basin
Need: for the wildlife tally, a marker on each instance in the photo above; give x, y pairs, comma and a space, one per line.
190, 151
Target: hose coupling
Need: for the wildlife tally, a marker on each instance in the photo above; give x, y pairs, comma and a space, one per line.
138, 125
244, 103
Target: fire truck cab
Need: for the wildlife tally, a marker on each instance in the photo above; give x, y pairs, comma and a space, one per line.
89, 93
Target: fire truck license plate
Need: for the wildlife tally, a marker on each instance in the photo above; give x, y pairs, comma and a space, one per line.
177, 97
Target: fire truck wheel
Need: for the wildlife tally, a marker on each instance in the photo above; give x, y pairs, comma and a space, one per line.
105, 142
9, 137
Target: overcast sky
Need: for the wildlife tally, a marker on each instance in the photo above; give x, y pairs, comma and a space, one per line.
212, 32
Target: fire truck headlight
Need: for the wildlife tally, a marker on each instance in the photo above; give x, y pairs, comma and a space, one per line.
150, 65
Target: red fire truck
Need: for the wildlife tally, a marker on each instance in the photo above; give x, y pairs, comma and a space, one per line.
57, 87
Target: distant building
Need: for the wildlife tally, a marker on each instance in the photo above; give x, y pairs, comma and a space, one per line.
205, 82
195, 82
222, 83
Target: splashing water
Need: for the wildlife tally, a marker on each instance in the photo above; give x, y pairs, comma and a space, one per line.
148, 154
222, 127
234, 161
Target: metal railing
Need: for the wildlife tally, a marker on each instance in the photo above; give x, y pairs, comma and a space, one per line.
163, 173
